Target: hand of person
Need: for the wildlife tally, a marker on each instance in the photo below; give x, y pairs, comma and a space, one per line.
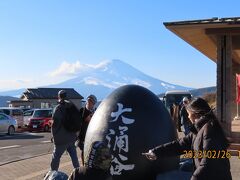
150, 155
88, 118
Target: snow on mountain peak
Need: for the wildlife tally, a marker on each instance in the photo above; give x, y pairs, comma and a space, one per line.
100, 65
104, 77
167, 85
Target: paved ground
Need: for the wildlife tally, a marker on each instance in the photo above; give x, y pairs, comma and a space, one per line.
24, 145
35, 168
32, 168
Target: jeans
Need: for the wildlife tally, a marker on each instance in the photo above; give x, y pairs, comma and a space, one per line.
59, 150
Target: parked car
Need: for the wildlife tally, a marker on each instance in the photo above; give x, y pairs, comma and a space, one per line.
27, 115
41, 120
7, 124
174, 97
25, 109
15, 113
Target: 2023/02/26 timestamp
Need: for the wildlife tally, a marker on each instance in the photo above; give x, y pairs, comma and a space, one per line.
211, 154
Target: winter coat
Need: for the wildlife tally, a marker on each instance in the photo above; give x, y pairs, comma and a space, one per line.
184, 116
85, 113
60, 135
84, 173
206, 136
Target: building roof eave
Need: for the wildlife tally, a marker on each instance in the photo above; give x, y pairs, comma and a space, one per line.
202, 34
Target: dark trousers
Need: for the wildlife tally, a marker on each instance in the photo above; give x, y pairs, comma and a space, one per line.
58, 152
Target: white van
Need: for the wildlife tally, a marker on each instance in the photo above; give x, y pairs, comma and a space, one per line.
175, 97
15, 113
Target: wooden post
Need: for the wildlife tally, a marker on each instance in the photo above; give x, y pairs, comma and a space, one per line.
224, 81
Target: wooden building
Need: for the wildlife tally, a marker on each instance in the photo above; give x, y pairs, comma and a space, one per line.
45, 98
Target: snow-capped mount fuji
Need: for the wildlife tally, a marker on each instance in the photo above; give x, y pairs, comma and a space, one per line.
103, 78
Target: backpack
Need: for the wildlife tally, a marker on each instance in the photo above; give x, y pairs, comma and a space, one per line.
73, 118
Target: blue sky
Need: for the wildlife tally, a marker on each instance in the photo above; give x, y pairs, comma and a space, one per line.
37, 37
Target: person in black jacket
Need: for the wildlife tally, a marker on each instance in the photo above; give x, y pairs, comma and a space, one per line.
206, 144
63, 140
87, 113
183, 115
97, 166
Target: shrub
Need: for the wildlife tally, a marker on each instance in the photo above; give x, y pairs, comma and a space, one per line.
211, 99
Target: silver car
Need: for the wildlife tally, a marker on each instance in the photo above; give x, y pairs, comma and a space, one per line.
7, 124
15, 113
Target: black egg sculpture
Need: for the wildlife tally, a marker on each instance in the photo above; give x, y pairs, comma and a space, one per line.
132, 120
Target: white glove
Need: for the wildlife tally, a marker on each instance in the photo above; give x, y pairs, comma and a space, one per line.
150, 155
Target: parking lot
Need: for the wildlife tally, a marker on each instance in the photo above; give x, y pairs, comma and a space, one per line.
23, 145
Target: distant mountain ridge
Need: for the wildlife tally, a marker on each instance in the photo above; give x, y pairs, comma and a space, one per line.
203, 91
4, 99
14, 93
103, 78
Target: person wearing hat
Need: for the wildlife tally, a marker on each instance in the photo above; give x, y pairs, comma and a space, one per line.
87, 113
97, 166
63, 140
206, 144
